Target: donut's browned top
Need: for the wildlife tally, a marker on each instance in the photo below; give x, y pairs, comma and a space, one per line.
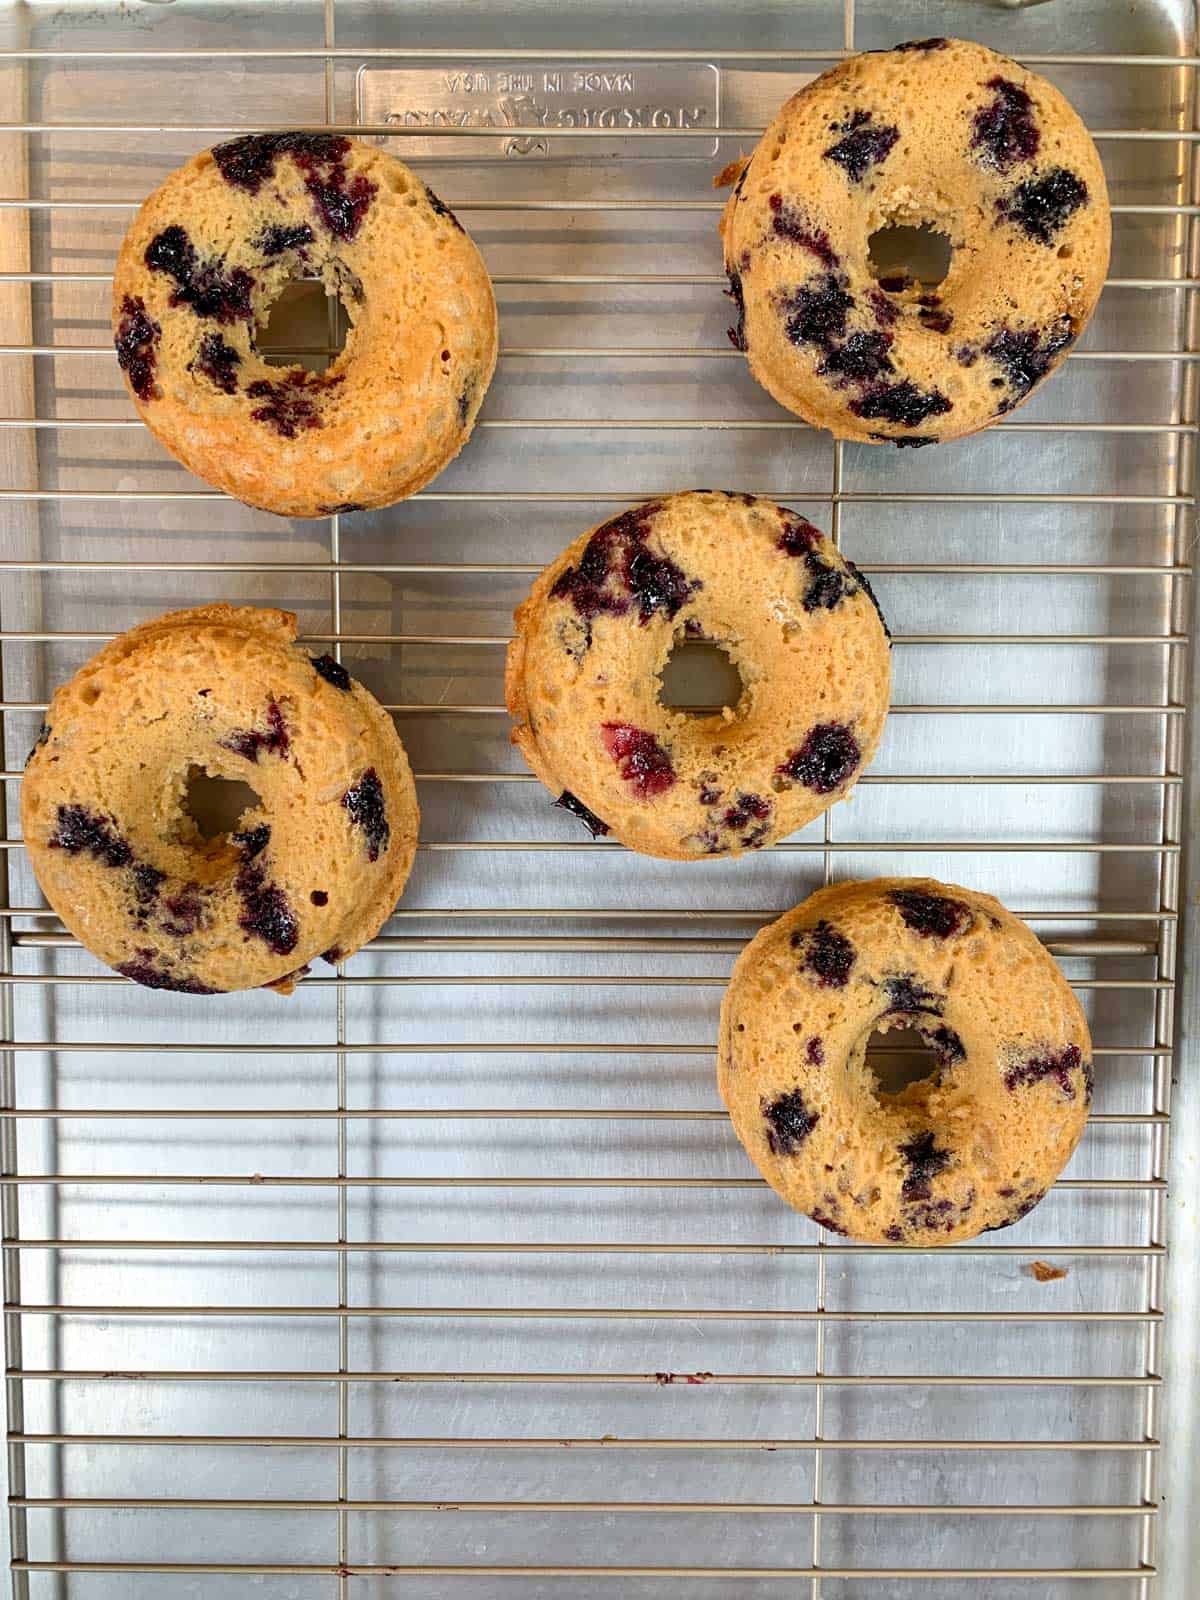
800, 624
313, 869
942, 134
211, 250
971, 1147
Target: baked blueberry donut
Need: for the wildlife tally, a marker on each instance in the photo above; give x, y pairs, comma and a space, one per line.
972, 1147
939, 134
211, 250
800, 624
314, 868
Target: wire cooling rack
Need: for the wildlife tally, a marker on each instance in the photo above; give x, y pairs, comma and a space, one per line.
449, 1271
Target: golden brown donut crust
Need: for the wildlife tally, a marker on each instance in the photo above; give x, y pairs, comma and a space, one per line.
976, 1145
208, 254
801, 625
315, 869
940, 133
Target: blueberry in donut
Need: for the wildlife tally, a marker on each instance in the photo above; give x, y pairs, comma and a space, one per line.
948, 136
972, 1146
798, 621
210, 252
315, 863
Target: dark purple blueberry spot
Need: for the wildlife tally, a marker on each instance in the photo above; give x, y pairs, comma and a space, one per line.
43, 736
1025, 356
1005, 130
1042, 207
752, 812
895, 283
136, 342
172, 252
789, 222
1023, 1210
640, 759
290, 407
152, 977
265, 910
203, 285
737, 334
937, 1216
902, 403
218, 362
865, 586
442, 209
922, 44
183, 912
1058, 1067
319, 897
828, 585
618, 570
904, 995
814, 1052
798, 536
933, 916
146, 883
824, 1220
254, 841
828, 955
789, 1123
569, 802
885, 312
79, 829
251, 742
966, 355
894, 1234
864, 146
828, 756
936, 321
945, 1044
709, 796
815, 313
277, 240
923, 1161
916, 441
341, 207
861, 358
248, 162
333, 955
333, 672
365, 804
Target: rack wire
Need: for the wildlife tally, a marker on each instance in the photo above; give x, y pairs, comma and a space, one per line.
488, 1353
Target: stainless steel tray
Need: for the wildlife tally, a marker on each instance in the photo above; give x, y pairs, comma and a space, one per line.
376, 1290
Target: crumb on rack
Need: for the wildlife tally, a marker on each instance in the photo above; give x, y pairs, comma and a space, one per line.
1044, 1272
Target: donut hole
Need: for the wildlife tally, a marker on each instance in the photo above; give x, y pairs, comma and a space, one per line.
919, 255
698, 675
216, 805
900, 1058
303, 326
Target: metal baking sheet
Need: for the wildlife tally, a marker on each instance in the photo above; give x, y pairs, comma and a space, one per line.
392, 1274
